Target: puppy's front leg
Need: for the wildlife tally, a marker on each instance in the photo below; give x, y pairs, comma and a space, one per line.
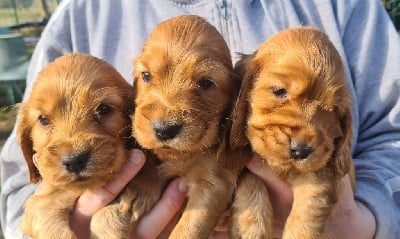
313, 202
251, 209
47, 213
207, 200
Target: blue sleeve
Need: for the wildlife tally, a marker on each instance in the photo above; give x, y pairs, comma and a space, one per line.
372, 48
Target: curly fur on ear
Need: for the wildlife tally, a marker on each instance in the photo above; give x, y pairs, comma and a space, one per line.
235, 149
24, 127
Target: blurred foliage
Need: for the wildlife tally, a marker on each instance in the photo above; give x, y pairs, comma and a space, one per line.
21, 11
4, 87
8, 112
393, 9
8, 116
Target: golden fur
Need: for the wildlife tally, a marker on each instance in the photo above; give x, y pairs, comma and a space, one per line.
186, 87
74, 131
294, 111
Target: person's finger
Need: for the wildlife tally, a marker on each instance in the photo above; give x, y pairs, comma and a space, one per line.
93, 201
223, 222
164, 211
171, 225
220, 235
128, 171
90, 202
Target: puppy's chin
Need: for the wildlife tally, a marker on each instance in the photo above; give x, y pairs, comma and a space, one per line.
179, 147
274, 146
192, 138
78, 184
102, 166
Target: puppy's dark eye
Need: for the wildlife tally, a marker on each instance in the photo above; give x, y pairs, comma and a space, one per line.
146, 77
280, 92
43, 120
103, 110
205, 83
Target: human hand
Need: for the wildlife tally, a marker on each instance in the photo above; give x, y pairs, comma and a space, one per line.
349, 218
156, 223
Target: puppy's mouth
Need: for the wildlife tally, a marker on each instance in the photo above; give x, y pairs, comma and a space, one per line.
79, 178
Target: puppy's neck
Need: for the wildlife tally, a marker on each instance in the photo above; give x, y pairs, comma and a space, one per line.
179, 155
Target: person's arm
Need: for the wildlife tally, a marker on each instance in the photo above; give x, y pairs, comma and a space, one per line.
372, 48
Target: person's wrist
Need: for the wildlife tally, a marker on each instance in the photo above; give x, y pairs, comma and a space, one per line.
367, 217
351, 220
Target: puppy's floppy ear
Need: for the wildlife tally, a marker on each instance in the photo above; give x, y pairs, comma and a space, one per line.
247, 70
24, 137
128, 96
132, 102
235, 150
341, 162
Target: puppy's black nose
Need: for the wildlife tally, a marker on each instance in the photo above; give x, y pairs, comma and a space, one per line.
299, 151
75, 163
165, 131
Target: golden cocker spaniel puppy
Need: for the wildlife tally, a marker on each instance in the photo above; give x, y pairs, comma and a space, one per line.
186, 86
294, 110
74, 131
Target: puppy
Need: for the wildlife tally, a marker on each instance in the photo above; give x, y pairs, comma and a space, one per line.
294, 110
74, 131
186, 88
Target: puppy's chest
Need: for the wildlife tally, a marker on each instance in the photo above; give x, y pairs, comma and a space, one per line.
294, 177
287, 174
191, 166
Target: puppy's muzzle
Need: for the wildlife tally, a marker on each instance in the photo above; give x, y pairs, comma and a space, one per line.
75, 163
166, 130
299, 151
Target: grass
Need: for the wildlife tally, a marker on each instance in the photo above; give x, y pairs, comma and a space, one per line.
24, 15
7, 121
8, 113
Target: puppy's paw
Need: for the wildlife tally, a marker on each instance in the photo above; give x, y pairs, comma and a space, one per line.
140, 197
110, 223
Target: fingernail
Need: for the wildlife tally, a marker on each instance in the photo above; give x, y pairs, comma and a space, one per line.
182, 187
137, 157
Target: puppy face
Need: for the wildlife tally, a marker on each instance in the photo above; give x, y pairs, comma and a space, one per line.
74, 127
185, 82
299, 117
